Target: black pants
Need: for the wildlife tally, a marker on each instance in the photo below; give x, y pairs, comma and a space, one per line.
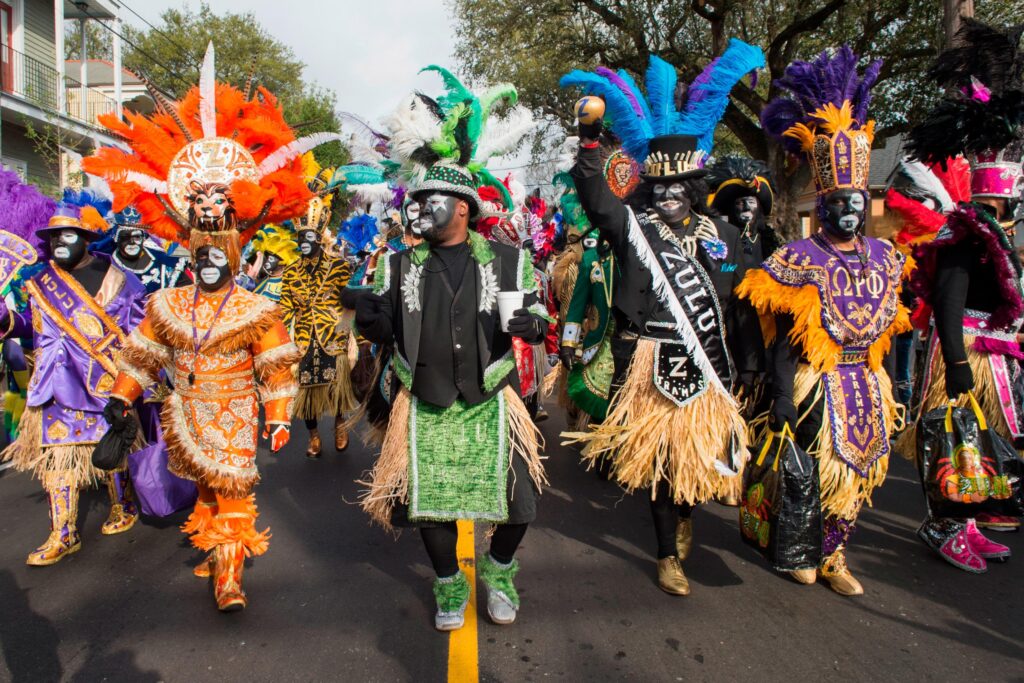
440, 541
666, 514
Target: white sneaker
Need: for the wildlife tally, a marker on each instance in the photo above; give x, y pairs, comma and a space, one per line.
499, 608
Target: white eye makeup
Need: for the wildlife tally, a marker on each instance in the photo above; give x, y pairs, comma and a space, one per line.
857, 202
68, 236
217, 257
309, 236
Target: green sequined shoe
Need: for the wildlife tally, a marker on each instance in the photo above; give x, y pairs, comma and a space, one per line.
502, 598
452, 596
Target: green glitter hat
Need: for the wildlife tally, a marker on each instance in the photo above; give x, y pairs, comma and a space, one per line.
451, 179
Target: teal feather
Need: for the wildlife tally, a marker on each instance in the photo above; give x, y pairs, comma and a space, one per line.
355, 174
660, 80
633, 130
708, 95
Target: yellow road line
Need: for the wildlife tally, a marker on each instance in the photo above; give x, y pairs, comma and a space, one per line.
463, 660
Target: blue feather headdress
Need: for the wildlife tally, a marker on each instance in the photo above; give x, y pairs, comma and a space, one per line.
359, 232
636, 119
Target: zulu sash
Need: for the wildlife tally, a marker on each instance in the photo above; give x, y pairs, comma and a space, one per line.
697, 357
60, 298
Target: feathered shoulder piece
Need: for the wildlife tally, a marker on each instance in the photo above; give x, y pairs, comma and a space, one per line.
668, 107
923, 195
982, 113
824, 115
217, 135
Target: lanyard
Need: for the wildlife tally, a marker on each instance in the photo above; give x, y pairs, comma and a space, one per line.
196, 344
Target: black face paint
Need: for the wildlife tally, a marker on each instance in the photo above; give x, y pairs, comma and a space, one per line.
212, 269
129, 245
270, 263
744, 211
309, 243
436, 213
68, 248
671, 203
844, 213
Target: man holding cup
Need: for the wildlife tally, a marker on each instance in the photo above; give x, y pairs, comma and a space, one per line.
460, 443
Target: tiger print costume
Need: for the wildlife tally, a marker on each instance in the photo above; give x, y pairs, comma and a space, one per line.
311, 307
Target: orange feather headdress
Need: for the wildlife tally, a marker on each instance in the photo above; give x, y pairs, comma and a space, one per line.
215, 134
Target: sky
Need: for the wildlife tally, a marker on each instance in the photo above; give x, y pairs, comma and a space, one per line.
369, 52
366, 51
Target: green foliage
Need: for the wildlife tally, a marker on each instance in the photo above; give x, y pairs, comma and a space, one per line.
532, 43
170, 59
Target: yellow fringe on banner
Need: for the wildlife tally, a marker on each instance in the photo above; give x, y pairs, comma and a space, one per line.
648, 438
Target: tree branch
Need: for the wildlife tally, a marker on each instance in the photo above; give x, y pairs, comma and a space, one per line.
777, 49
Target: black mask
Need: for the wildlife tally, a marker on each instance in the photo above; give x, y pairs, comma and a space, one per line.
270, 263
844, 213
671, 203
129, 245
309, 243
212, 269
68, 248
436, 213
745, 212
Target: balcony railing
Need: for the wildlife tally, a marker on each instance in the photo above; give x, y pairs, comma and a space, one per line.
41, 84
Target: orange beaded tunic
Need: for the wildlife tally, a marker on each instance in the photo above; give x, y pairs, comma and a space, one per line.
211, 422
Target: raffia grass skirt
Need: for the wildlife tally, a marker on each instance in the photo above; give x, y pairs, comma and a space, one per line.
388, 481
843, 490
648, 439
935, 397
48, 462
334, 398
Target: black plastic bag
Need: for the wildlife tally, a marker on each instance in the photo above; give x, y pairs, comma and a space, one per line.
114, 446
965, 467
780, 509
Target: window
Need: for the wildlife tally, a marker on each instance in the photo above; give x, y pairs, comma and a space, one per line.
17, 165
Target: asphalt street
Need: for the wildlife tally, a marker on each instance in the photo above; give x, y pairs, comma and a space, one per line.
335, 599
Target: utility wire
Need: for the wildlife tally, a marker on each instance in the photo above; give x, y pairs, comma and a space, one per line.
148, 56
163, 33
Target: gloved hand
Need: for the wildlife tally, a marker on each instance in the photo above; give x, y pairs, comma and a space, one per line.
783, 413
524, 325
279, 434
567, 355
369, 309
590, 131
959, 379
117, 413
746, 382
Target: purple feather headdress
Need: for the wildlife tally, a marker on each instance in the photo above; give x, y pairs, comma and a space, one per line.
826, 108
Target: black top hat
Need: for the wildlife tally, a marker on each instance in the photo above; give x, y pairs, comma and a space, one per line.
673, 157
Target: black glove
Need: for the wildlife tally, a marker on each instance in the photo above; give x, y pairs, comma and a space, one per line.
959, 379
746, 382
117, 414
783, 413
567, 355
369, 308
524, 325
590, 131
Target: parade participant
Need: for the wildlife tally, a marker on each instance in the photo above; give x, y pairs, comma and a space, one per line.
234, 166
673, 428
588, 329
831, 304
154, 268
970, 274
312, 308
743, 191
279, 250
459, 443
81, 309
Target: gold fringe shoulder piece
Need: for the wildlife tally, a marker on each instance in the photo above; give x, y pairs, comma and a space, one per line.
243, 322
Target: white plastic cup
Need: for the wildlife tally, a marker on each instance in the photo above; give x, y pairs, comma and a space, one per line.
508, 304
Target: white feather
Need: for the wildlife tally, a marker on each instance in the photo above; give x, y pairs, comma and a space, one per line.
923, 177
411, 126
502, 136
517, 190
208, 94
361, 152
567, 154
293, 149
372, 193
146, 182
